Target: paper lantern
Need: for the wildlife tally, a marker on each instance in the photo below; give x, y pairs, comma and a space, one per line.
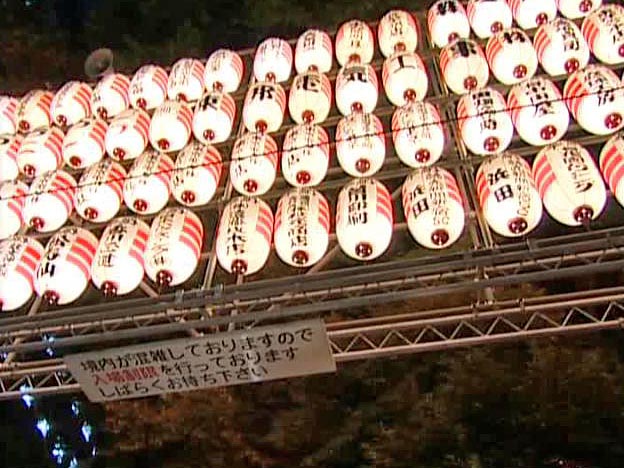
83, 145
354, 43
148, 87
447, 21
100, 191
9, 149
314, 51
264, 107
310, 97
273, 60
223, 71
357, 89
128, 135
12, 199
404, 78
111, 96
8, 115
214, 116
418, 134
254, 164
71, 103
186, 80
171, 125
397, 32
196, 175
561, 47
305, 156
146, 189
530, 14
19, 257
488, 17
41, 151
573, 9
33, 110
511, 56
604, 31
612, 165
464, 66
360, 144
50, 201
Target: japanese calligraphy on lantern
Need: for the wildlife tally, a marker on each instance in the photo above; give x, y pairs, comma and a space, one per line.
216, 360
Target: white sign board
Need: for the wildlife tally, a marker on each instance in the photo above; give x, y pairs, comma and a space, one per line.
216, 360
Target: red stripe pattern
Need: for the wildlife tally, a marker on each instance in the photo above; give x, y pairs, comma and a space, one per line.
198, 171
19, 255
9, 149
148, 87
354, 38
34, 110
223, 71
214, 115
397, 31
111, 95
310, 92
612, 165
12, 199
273, 60
8, 115
314, 50
41, 151
84, 143
604, 31
264, 102
150, 168
186, 80
71, 103
447, 19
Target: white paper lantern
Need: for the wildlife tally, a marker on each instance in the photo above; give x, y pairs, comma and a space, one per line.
12, 199
146, 189
19, 257
264, 107
604, 31
355, 43
573, 9
148, 87
8, 115
447, 21
530, 14
404, 78
357, 89
128, 135
488, 17
111, 96
33, 110
41, 151
612, 165
254, 164
314, 51
9, 149
100, 191
273, 60
223, 71
71, 103
360, 144
186, 80
171, 125
50, 201
305, 156
561, 47
83, 145
397, 32
418, 134
214, 116
511, 56
196, 175
464, 66
310, 97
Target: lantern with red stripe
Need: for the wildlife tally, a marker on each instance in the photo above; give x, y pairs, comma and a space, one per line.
404, 78
50, 201
447, 21
9, 149
418, 134
561, 47
530, 14
511, 56
196, 175
360, 144
148, 87
127, 135
569, 183
488, 17
464, 66
612, 165
171, 125
264, 107
310, 97
604, 31
100, 191
244, 235
186, 80
574, 9
12, 198
83, 145
117, 268
33, 110
364, 219
357, 89
354, 43
19, 257
510, 202
8, 115
146, 189
314, 51
223, 71
397, 32
111, 96
71, 103
65, 268
214, 117
174, 247
254, 164
433, 207
273, 60
302, 223
305, 155
595, 98
484, 121
538, 111
41, 151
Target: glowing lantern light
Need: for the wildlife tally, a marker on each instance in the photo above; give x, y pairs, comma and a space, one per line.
33, 110
128, 135
354, 43
111, 96
314, 51
12, 201
530, 14
8, 115
573, 9
404, 78
418, 134
71, 103
254, 164
223, 71
604, 31
511, 56
83, 145
447, 21
305, 156
488, 17
357, 89
561, 47
464, 66
148, 87
197, 174
100, 191
50, 201
264, 107
170, 128
146, 190
310, 98
19, 257
214, 117
40, 151
273, 60
397, 32
360, 144
9, 149
612, 165
186, 80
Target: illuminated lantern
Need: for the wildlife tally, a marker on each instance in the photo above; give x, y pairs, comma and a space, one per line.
197, 174
357, 89
360, 144
71, 103
433, 207
302, 222
50, 201
569, 183
65, 268
397, 32
612, 165
604, 31
146, 189
117, 268
84, 143
573, 9
186, 80
111, 96
33, 110
447, 21
127, 135
8, 117
170, 128
484, 122
148, 87
174, 247
254, 164
100, 191
305, 155
510, 202
364, 219
214, 117
511, 56
595, 98
244, 235
223, 71
9, 149
418, 134
273, 60
464, 67
561, 47
530, 14
404, 78
310, 98
488, 17
12, 197
354, 43
19, 257
314, 51
264, 107
538, 111
41, 151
